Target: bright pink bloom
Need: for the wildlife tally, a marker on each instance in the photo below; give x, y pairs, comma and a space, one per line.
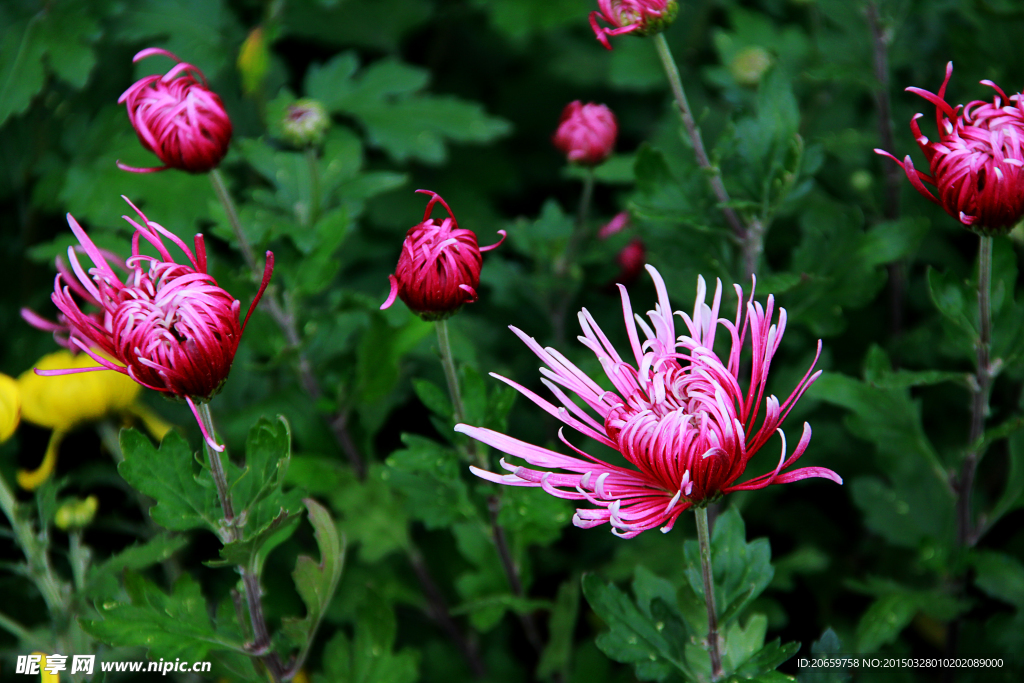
586, 133
639, 17
177, 117
439, 269
678, 415
169, 325
977, 163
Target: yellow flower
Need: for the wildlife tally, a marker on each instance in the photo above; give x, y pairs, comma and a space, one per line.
63, 402
10, 406
46, 676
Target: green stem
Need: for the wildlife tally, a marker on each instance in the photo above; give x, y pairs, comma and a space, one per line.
693, 132
22, 634
250, 580
79, 556
221, 188
314, 185
284, 318
220, 479
966, 533
39, 564
579, 231
448, 362
704, 539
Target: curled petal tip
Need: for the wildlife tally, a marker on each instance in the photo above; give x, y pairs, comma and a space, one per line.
393, 294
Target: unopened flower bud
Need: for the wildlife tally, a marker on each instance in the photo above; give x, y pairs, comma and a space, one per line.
305, 123
586, 133
76, 513
977, 160
439, 269
177, 117
639, 17
749, 65
254, 60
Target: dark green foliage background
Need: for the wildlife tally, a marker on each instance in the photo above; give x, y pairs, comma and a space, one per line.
461, 97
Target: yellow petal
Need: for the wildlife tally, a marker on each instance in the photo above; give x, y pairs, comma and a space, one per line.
32, 480
10, 406
47, 677
63, 401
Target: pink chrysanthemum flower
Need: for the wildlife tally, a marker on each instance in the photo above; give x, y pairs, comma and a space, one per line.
168, 325
639, 17
586, 133
977, 163
679, 415
439, 269
177, 117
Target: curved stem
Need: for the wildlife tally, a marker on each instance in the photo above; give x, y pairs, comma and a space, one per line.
221, 188
284, 319
693, 131
704, 539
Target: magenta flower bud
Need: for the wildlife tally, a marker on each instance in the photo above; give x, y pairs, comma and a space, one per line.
639, 17
168, 325
687, 421
177, 117
632, 258
977, 163
439, 269
586, 133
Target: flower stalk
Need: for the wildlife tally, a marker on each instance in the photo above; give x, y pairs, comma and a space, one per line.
966, 533
286, 321
704, 539
751, 235
250, 580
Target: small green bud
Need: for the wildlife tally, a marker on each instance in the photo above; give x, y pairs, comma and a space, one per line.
861, 180
305, 123
749, 65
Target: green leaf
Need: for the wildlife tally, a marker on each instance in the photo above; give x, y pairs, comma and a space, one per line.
252, 550
315, 582
806, 559
427, 474
884, 620
202, 32
371, 514
168, 626
1011, 497
533, 516
103, 578
741, 570
380, 350
485, 587
827, 646
557, 655
999, 575
433, 397
60, 37
167, 476
632, 637
267, 457
369, 656
951, 298
767, 659
887, 418
385, 98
